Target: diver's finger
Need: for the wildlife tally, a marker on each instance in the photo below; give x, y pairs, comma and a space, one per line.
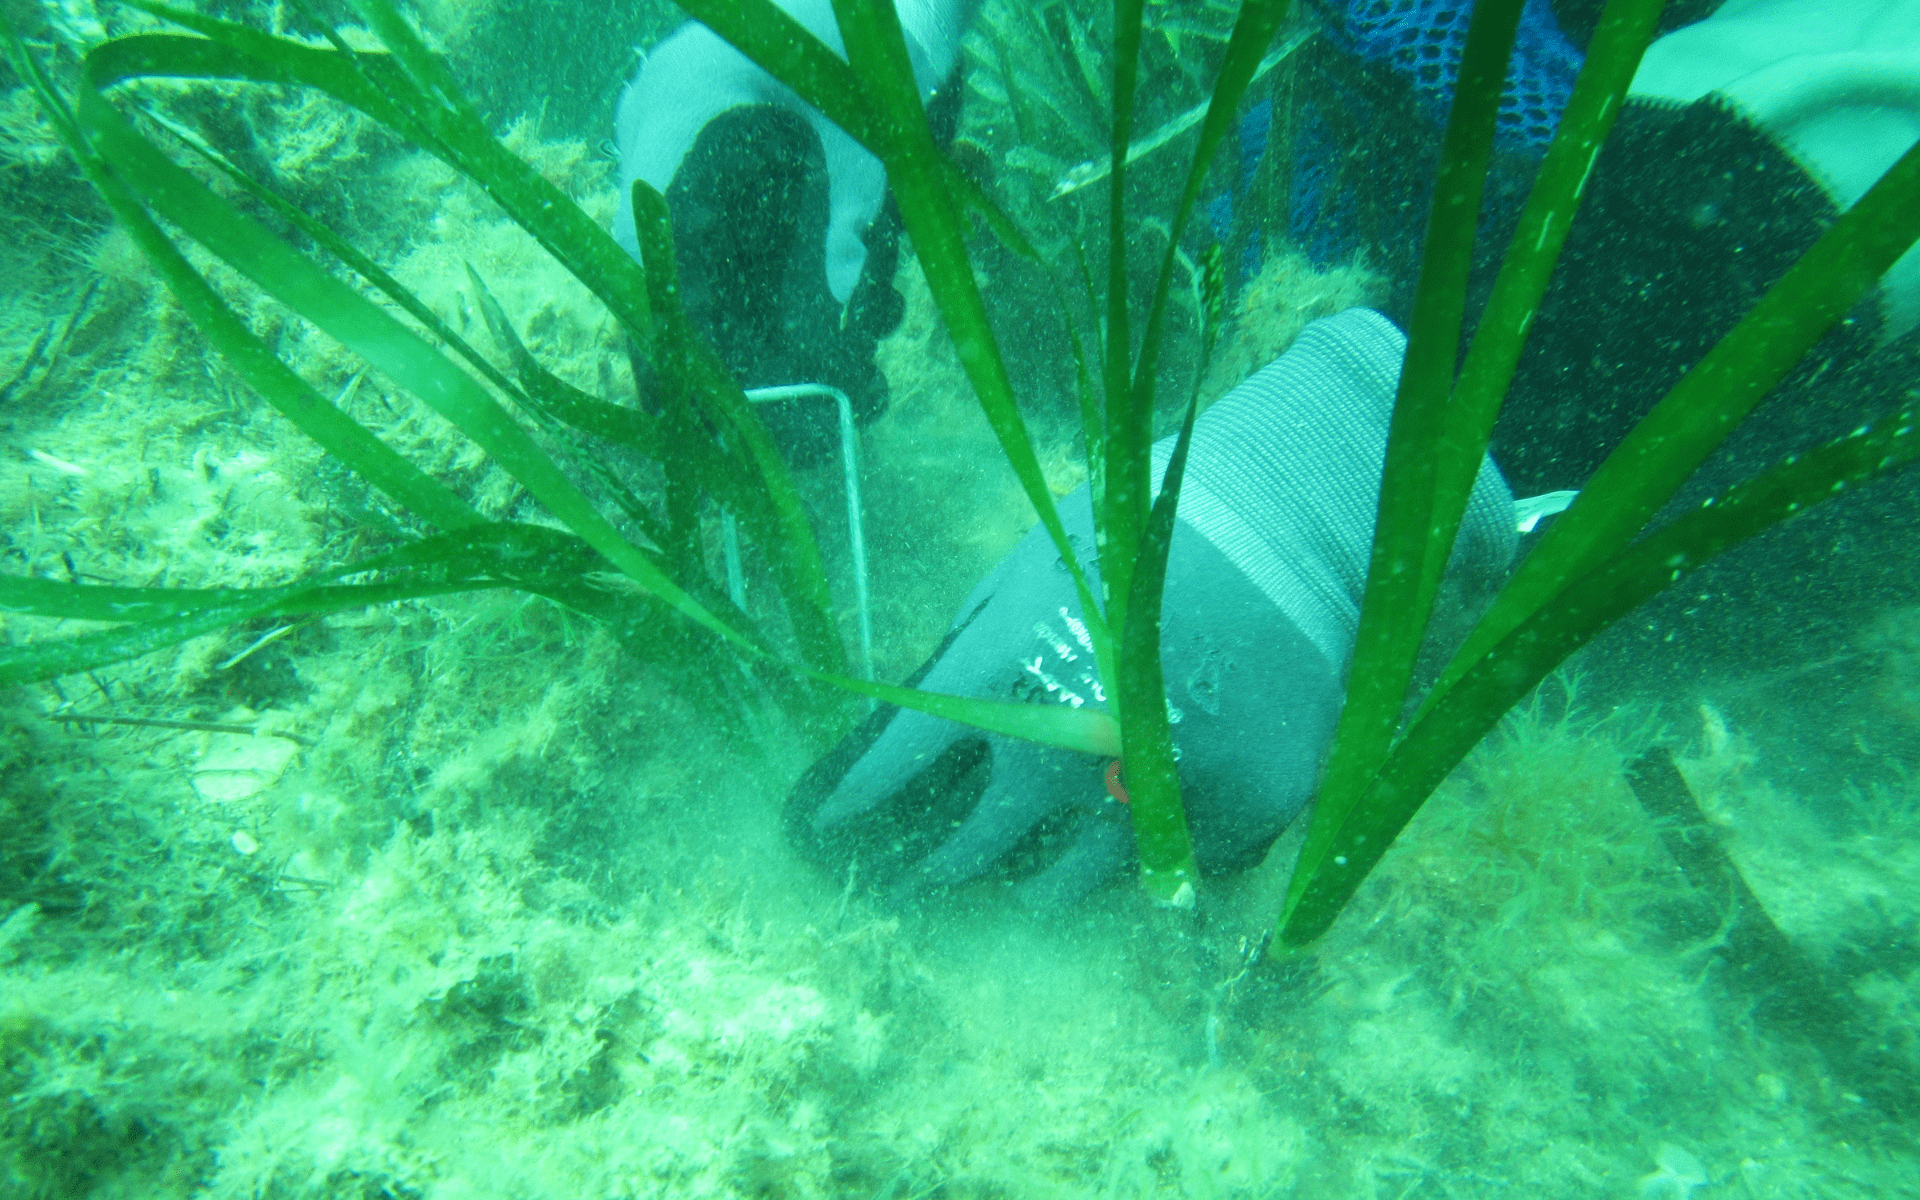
911, 742
1027, 783
1102, 846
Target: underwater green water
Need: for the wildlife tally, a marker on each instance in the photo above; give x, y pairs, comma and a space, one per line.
457, 897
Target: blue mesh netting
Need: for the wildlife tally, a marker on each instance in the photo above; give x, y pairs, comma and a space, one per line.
1422, 39
1254, 124
1325, 231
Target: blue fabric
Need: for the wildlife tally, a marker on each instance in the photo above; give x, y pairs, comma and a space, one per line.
1324, 230
1423, 40
1252, 131
1254, 124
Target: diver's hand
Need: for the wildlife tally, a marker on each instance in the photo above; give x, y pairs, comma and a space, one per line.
1260, 607
913, 803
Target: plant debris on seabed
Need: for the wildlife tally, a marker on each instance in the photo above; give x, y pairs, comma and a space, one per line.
482, 908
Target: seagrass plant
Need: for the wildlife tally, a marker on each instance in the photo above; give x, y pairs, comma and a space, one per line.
1598, 561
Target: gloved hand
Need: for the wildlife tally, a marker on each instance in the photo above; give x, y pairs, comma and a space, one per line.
1262, 600
785, 244
1836, 82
